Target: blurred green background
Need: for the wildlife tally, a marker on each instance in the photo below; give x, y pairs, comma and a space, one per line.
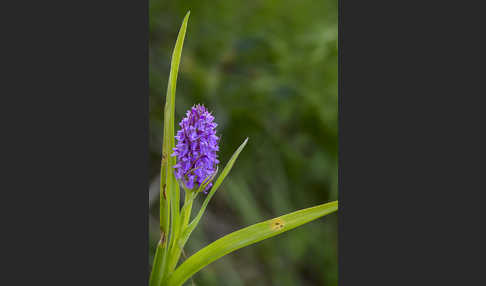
268, 71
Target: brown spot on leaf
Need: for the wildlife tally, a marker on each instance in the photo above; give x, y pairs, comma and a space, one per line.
162, 237
276, 224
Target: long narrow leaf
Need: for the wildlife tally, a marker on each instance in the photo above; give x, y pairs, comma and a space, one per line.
172, 185
157, 271
167, 175
215, 187
169, 117
169, 189
190, 228
245, 237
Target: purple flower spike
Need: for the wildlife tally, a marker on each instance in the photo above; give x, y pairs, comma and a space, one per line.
196, 148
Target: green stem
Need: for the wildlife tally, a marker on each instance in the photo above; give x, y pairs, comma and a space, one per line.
174, 225
180, 240
186, 213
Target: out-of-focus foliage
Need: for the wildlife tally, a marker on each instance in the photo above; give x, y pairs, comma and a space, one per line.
268, 71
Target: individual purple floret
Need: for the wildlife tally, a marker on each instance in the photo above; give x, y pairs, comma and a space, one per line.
196, 148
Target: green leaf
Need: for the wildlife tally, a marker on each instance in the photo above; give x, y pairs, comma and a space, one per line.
245, 237
213, 190
189, 229
169, 188
169, 123
157, 268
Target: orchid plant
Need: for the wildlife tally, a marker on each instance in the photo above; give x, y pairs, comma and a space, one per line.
193, 165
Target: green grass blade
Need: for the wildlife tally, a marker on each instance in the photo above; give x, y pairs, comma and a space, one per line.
179, 245
157, 270
169, 188
167, 176
245, 237
169, 120
213, 190
174, 186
